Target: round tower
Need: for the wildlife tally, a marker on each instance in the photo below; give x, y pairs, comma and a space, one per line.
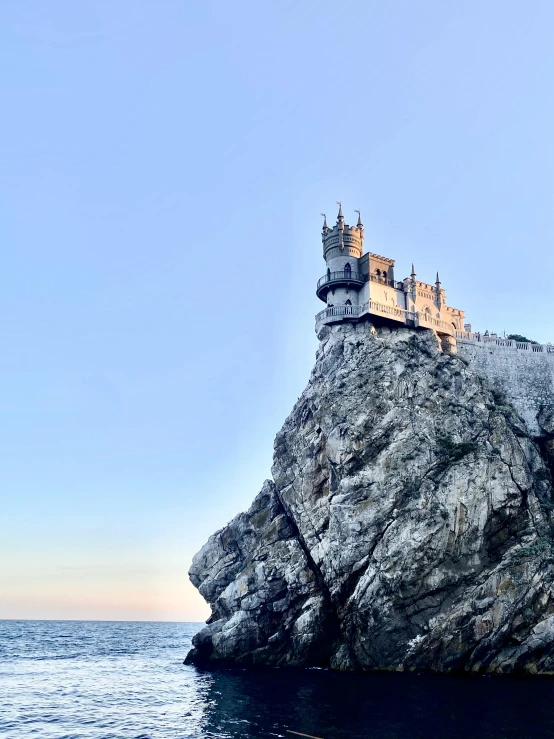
342, 248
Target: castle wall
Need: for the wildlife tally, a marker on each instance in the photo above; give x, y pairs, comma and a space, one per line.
381, 265
338, 262
455, 316
426, 300
387, 295
341, 295
526, 377
363, 295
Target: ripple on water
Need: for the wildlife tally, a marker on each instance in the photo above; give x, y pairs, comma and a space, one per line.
102, 680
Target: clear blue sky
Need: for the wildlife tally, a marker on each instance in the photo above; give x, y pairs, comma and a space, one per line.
162, 170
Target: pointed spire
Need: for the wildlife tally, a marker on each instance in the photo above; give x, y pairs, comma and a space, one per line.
325, 226
438, 291
359, 224
340, 216
413, 271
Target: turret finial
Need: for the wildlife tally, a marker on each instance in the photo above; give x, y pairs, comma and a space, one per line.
340, 216
325, 226
437, 282
413, 271
359, 224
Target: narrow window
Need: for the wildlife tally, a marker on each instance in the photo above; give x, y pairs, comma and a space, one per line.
347, 270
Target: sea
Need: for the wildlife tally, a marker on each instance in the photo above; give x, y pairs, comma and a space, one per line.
127, 680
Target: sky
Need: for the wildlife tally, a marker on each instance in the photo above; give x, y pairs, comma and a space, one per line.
163, 167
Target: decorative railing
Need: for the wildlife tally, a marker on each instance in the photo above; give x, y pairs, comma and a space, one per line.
341, 276
424, 319
526, 346
393, 312
390, 311
339, 311
427, 318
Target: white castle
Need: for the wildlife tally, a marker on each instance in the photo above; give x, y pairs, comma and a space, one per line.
358, 285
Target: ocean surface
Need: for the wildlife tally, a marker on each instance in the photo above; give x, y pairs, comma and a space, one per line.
126, 680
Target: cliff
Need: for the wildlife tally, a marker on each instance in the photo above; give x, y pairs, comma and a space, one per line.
408, 524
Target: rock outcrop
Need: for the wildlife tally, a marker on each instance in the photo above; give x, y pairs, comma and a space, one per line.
408, 524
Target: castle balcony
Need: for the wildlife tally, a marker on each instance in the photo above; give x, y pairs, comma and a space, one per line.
338, 313
343, 278
384, 281
392, 312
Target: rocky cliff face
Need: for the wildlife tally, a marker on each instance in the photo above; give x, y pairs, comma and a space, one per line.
408, 525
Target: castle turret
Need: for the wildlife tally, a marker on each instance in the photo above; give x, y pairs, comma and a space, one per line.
342, 248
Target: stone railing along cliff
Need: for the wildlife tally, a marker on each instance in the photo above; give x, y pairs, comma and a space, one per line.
492, 341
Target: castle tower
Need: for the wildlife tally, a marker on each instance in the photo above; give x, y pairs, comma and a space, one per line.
342, 248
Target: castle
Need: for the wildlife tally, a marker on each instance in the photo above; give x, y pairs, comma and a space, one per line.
357, 286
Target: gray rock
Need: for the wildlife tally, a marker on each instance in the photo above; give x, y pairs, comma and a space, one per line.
546, 420
408, 525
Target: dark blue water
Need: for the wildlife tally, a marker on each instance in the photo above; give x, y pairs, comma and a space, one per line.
122, 680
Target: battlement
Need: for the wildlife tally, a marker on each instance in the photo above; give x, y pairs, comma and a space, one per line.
386, 260
342, 239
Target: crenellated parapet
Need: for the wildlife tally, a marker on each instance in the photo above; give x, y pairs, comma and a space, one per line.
342, 240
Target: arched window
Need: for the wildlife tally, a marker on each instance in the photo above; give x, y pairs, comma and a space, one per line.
348, 308
348, 302
384, 276
378, 272
347, 269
